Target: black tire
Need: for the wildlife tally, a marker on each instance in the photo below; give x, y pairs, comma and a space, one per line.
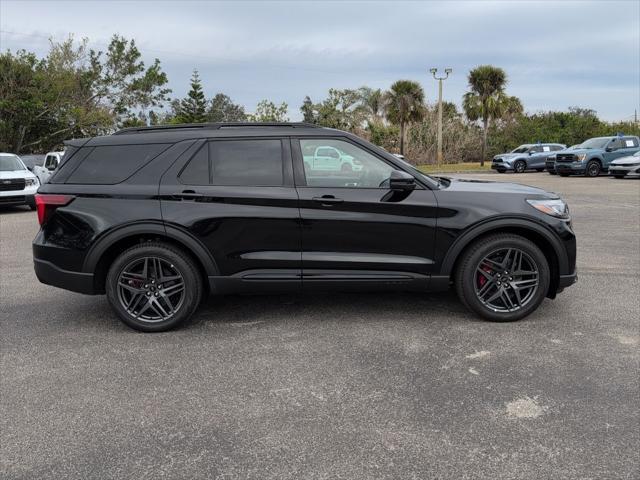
618, 176
180, 264
520, 166
552, 173
467, 276
563, 174
539, 170
593, 169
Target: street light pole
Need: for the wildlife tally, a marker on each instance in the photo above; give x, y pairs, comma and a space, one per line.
433, 71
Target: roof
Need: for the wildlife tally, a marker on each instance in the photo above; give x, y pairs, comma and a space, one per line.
176, 133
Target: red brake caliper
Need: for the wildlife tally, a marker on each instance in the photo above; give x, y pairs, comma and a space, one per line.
481, 278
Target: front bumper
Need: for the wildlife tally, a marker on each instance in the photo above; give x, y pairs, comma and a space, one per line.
627, 170
570, 167
18, 197
501, 166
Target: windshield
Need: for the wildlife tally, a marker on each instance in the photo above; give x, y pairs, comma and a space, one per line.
595, 142
9, 163
521, 149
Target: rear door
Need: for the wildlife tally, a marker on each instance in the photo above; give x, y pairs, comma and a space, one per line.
355, 230
237, 197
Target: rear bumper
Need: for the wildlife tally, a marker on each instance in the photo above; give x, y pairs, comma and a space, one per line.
567, 280
53, 275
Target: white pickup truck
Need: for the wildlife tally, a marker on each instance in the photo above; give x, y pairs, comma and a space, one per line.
51, 162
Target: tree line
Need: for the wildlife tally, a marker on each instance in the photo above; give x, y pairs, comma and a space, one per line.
76, 91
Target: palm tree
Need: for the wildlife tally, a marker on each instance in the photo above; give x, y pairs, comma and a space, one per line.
404, 103
372, 103
486, 100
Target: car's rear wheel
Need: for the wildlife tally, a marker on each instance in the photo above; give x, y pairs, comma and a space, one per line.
593, 169
154, 287
563, 174
520, 166
502, 277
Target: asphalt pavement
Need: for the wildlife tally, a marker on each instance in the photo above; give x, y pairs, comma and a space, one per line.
343, 386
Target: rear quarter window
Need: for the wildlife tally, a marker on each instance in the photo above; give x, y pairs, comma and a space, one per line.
108, 165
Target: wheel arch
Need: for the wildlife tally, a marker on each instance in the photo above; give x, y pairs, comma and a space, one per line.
105, 250
543, 238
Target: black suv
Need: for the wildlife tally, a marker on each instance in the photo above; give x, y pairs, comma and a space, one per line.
157, 217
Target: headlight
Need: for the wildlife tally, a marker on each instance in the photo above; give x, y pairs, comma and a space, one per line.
30, 182
556, 208
580, 157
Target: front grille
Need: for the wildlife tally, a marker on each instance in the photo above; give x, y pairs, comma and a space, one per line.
12, 199
7, 184
564, 157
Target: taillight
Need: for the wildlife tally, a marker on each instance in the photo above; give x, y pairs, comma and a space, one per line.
47, 203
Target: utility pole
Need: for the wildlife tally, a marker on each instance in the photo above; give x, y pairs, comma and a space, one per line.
433, 71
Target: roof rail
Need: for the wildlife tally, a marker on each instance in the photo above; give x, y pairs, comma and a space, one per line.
211, 126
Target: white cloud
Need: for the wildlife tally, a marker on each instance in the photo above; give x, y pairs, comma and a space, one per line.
556, 53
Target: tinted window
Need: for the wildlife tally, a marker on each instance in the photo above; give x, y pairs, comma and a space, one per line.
356, 167
246, 162
556, 148
112, 164
197, 170
50, 162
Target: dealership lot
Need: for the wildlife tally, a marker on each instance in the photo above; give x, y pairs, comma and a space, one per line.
333, 386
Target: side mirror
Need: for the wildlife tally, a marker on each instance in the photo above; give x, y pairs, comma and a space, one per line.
400, 181
30, 169
609, 149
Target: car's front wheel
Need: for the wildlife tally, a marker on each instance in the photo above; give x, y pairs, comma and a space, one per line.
520, 166
154, 287
593, 169
502, 277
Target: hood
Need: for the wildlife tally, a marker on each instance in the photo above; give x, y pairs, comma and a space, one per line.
16, 174
480, 186
578, 151
629, 159
510, 156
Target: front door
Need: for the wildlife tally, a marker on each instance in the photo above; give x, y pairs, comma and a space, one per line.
620, 147
237, 197
355, 230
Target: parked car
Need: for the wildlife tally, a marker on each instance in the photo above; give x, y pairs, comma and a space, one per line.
330, 159
51, 162
525, 157
550, 162
594, 155
17, 184
626, 166
157, 217
32, 160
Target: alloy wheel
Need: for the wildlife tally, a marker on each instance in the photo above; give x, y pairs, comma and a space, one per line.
520, 166
506, 280
151, 289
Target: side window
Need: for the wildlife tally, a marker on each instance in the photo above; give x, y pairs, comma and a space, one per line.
546, 148
356, 167
246, 162
630, 142
616, 143
108, 165
50, 162
197, 170
556, 148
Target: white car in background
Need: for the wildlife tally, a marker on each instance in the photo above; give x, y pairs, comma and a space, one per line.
18, 185
626, 166
51, 163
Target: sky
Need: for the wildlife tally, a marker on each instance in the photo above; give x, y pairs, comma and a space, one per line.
556, 54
